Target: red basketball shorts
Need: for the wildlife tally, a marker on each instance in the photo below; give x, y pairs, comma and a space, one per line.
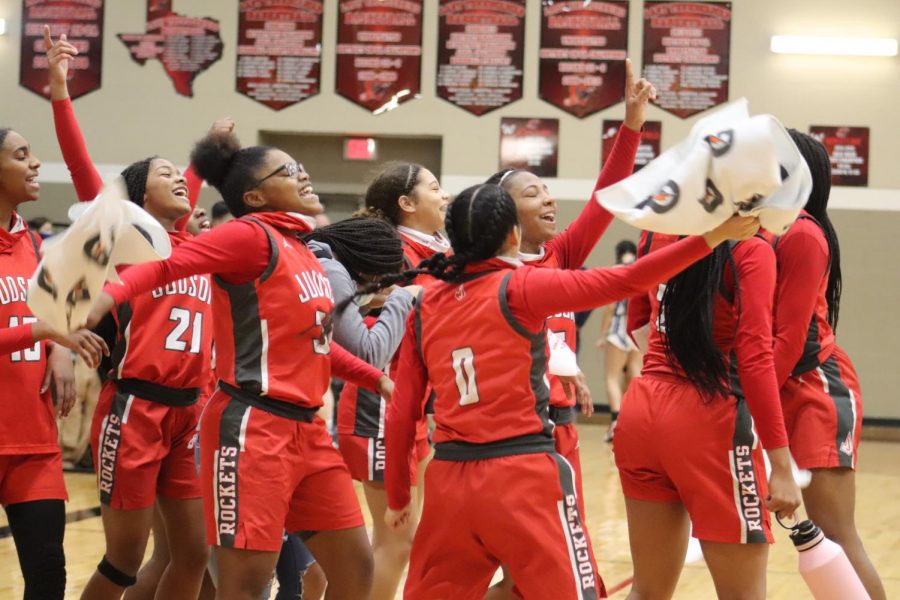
28, 477
823, 414
567, 445
519, 511
670, 446
143, 448
365, 457
262, 474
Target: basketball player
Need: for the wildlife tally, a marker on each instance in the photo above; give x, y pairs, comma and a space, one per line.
497, 492
820, 392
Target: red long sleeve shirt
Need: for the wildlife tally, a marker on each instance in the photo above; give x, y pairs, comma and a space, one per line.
802, 255
237, 252
532, 295
86, 179
742, 325
571, 247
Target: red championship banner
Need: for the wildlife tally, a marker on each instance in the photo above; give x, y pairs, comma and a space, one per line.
481, 47
583, 47
279, 50
186, 46
848, 148
686, 54
82, 23
379, 52
530, 144
648, 148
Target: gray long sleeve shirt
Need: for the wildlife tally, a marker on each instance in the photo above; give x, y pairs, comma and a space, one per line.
377, 345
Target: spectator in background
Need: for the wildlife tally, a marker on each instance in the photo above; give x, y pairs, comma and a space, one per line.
42, 226
621, 357
220, 214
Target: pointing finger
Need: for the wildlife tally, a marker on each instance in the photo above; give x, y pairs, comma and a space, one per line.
629, 76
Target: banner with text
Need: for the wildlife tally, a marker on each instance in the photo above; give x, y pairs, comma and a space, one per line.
686, 54
848, 148
82, 23
648, 149
279, 50
379, 52
582, 55
530, 144
481, 47
186, 46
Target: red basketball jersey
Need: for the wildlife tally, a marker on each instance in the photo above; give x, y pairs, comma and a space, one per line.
486, 369
820, 337
27, 422
165, 336
361, 411
273, 334
414, 253
724, 320
561, 324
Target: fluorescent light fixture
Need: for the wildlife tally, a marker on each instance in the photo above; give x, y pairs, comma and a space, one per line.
834, 46
2, 26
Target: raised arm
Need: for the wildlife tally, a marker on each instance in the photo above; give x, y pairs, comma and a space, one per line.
238, 252
403, 412
222, 126
84, 175
802, 263
539, 293
573, 245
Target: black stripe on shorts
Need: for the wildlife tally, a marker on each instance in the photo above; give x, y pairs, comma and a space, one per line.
844, 410
225, 478
747, 499
108, 445
586, 579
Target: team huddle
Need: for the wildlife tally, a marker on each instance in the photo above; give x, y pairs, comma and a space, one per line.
436, 312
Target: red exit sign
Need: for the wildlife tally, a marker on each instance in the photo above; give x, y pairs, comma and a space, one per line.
360, 149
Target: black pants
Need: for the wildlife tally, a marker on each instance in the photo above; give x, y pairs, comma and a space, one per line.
37, 528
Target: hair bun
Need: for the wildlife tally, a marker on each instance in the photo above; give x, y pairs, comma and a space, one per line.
212, 156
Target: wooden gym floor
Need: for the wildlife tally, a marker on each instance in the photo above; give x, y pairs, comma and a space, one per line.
877, 511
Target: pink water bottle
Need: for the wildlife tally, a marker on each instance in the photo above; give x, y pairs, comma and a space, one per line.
824, 566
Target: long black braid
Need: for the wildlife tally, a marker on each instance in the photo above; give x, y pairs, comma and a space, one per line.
687, 313
817, 206
477, 223
363, 245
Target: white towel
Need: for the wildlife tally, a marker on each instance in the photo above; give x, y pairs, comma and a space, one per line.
108, 231
562, 360
730, 162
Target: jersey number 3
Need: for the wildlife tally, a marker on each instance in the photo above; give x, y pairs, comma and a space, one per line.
464, 367
182, 318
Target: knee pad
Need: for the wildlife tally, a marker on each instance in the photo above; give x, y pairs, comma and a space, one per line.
119, 578
48, 578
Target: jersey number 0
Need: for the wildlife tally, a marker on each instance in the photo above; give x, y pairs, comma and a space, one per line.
464, 367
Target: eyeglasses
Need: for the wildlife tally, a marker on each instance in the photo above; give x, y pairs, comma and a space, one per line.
292, 168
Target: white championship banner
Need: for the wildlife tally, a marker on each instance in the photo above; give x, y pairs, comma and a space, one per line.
106, 232
729, 163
